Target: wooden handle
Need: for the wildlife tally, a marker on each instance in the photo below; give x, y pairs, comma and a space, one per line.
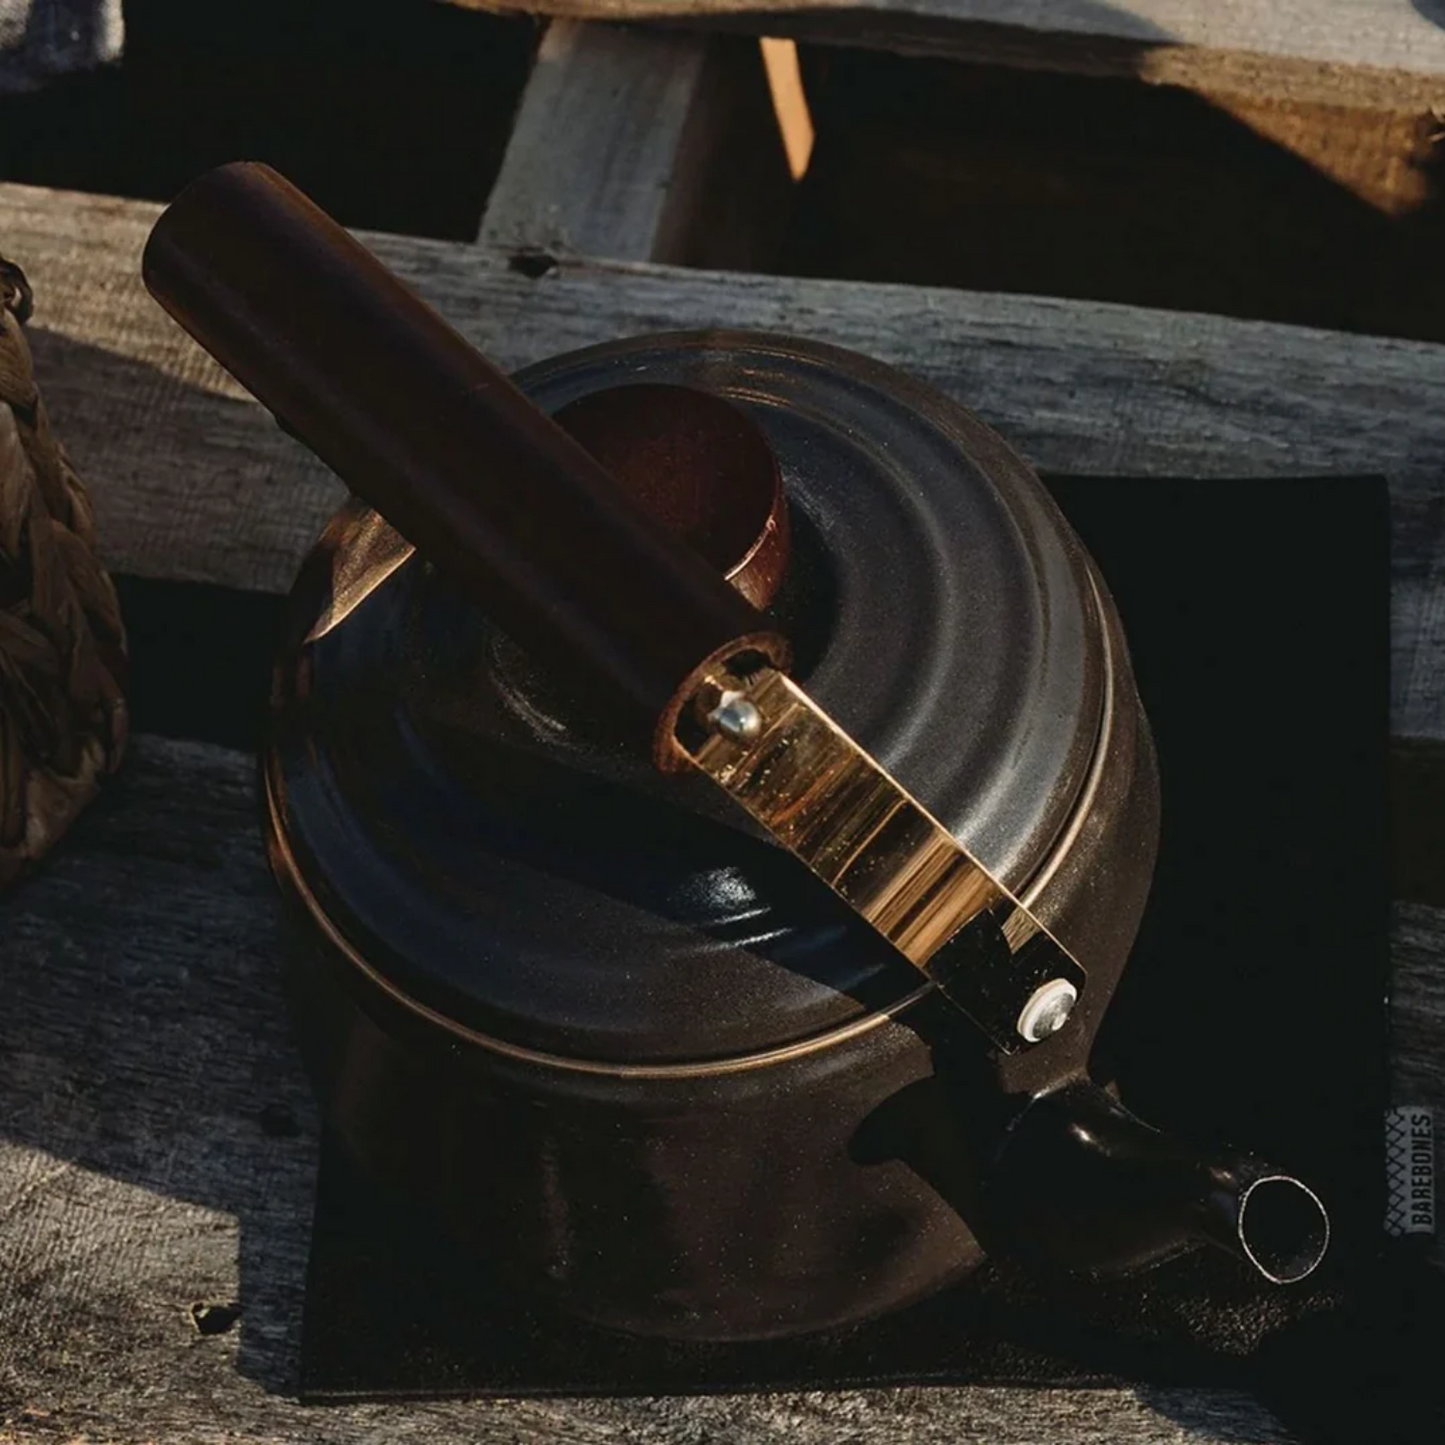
445, 447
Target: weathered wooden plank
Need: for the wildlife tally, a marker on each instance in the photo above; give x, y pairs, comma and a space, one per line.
589, 169
1264, 45
158, 1148
630, 143
191, 479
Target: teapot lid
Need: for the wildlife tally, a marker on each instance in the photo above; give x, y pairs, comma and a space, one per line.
513, 872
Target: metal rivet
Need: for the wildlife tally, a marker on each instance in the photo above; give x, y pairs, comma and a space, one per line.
1047, 1010
737, 717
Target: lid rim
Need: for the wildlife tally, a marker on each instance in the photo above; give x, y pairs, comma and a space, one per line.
927, 475
288, 874
287, 870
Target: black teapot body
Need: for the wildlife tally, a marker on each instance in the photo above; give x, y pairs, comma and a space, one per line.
626, 1045
720, 973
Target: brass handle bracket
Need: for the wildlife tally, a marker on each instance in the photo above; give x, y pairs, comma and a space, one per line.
777, 754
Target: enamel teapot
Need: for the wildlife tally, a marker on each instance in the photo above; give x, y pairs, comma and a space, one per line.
712, 805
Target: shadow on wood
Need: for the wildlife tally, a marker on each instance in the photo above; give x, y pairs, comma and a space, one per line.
1315, 206
145, 1043
393, 114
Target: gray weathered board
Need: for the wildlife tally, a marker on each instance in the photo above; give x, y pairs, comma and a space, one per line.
157, 1145
582, 173
1362, 50
652, 145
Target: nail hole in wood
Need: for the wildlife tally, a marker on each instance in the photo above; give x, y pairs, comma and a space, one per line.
214, 1319
532, 264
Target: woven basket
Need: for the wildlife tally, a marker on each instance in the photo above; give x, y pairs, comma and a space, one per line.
62, 646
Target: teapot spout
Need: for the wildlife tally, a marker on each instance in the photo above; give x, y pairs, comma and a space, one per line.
1084, 1184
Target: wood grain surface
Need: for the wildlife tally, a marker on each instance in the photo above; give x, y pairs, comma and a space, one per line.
643, 145
190, 479
592, 157
1302, 47
158, 1148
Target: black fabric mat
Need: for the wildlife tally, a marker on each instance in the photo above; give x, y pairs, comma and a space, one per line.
200, 659
1258, 615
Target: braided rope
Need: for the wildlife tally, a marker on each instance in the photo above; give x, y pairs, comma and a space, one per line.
62, 644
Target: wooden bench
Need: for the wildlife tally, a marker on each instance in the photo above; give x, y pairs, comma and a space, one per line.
157, 1140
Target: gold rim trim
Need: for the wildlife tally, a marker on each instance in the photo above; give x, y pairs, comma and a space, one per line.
1098, 763
800, 776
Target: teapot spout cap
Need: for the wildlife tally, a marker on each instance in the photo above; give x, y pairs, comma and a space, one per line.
1279, 1226
1084, 1184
